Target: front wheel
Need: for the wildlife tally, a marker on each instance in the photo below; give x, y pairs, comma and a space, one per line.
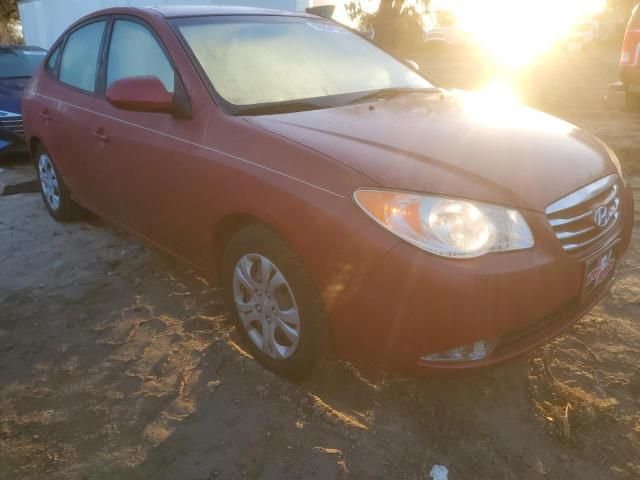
274, 302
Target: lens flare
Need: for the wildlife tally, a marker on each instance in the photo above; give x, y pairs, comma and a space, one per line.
462, 225
498, 105
515, 32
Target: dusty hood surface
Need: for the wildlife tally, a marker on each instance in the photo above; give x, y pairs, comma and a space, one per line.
455, 144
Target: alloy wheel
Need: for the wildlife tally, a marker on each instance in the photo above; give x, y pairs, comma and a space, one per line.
266, 306
49, 182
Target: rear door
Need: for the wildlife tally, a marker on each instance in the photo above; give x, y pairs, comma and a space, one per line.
66, 107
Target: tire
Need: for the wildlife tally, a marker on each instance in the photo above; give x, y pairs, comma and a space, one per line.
55, 193
242, 269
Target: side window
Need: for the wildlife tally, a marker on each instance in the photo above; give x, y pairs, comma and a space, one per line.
53, 59
134, 52
79, 62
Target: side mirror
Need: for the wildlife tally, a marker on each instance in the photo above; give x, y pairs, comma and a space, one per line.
140, 94
412, 64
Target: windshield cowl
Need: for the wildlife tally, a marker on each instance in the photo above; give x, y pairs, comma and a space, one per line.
332, 102
279, 107
386, 93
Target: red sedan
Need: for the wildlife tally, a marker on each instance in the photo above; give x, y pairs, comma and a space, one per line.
346, 203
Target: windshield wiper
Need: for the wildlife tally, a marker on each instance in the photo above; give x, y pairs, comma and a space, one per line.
393, 92
281, 107
299, 106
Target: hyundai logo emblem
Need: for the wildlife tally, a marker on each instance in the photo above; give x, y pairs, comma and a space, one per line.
602, 216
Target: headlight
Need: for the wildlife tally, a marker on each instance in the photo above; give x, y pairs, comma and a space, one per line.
444, 226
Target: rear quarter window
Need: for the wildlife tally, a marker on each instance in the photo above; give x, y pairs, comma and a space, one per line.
53, 59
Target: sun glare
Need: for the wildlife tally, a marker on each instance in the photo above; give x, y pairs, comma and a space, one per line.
497, 105
515, 32
494, 105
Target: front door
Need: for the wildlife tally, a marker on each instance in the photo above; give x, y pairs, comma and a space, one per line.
148, 161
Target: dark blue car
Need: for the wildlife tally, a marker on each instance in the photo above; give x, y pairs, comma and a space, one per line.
17, 64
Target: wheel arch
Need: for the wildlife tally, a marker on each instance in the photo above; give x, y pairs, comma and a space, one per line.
229, 225
32, 145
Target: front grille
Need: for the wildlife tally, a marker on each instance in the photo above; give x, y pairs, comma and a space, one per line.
13, 124
586, 215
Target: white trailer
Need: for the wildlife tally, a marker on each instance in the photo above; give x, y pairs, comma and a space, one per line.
44, 20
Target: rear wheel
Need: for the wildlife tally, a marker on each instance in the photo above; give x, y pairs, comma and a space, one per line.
53, 189
274, 302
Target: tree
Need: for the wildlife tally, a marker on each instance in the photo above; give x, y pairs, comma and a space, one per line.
9, 21
8, 10
396, 23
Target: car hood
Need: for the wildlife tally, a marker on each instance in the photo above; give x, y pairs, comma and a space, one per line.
11, 94
453, 143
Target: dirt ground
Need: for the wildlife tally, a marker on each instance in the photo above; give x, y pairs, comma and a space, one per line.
118, 363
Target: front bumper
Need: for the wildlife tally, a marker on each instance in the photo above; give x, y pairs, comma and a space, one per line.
12, 148
522, 341
11, 143
11, 134
416, 304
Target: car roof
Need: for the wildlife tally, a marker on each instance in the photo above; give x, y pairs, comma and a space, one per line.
177, 11
173, 11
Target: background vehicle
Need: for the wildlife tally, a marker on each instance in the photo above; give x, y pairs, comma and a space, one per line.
583, 35
442, 30
445, 37
17, 64
630, 61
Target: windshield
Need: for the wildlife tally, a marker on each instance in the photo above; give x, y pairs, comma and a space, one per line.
19, 63
253, 60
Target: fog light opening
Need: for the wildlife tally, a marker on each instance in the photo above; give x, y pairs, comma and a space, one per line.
468, 353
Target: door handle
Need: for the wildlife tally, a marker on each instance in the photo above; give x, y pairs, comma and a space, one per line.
45, 115
100, 135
